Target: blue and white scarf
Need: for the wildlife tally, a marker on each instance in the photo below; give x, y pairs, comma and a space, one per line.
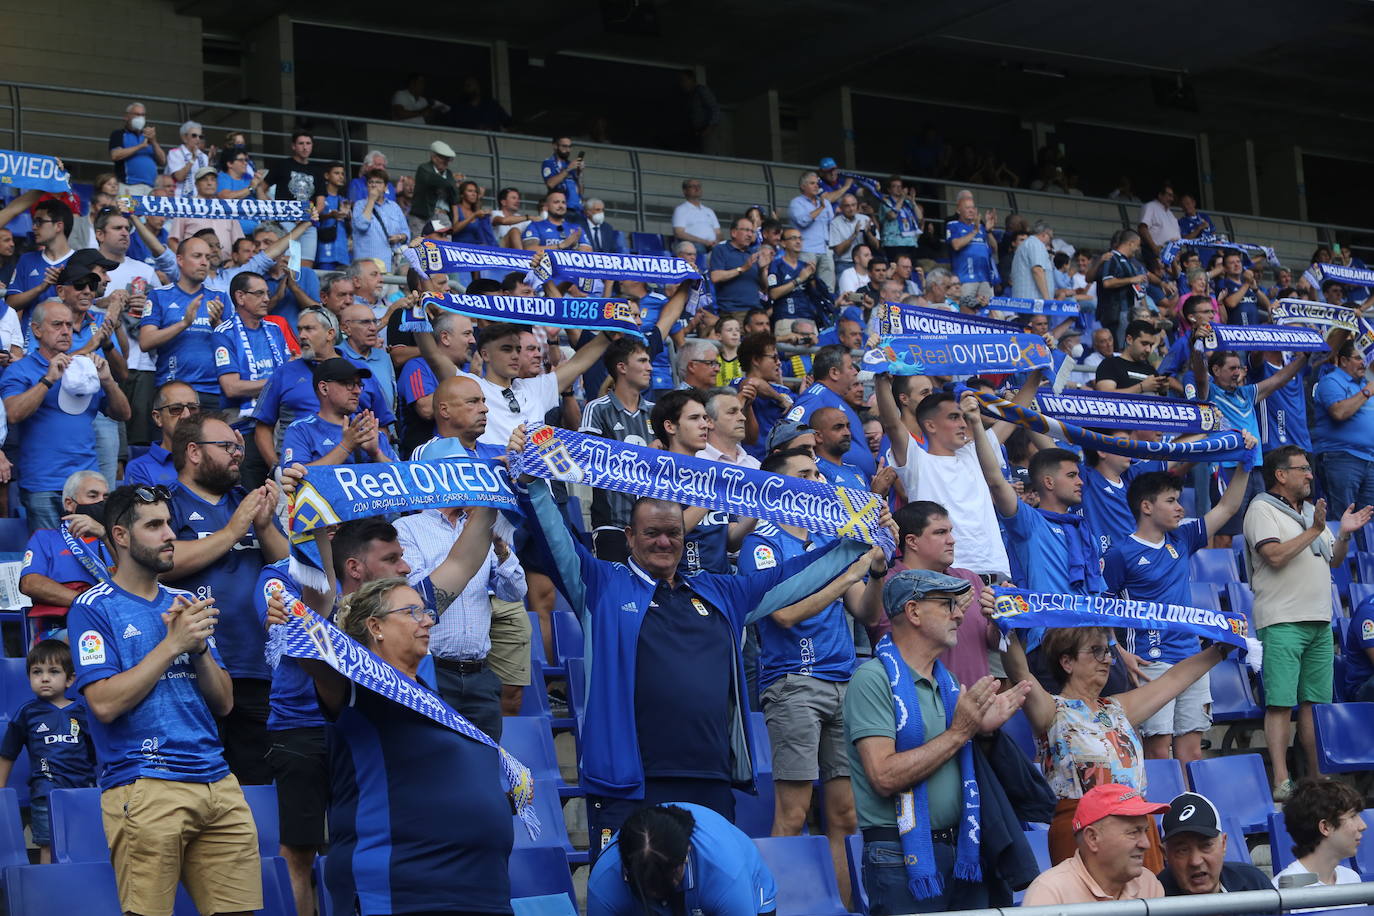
1114, 410
959, 354
1301, 312
1017, 609
431, 256
868, 184
30, 170
557, 264
611, 315
330, 494
292, 211
234, 323
308, 635
1219, 447
89, 562
1054, 308
1354, 276
1264, 337
561, 454
913, 805
1364, 338
898, 319
1203, 243
904, 211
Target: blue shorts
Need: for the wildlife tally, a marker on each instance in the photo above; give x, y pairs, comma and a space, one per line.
40, 820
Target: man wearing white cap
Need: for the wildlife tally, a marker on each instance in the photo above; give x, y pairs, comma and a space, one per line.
51, 397
436, 188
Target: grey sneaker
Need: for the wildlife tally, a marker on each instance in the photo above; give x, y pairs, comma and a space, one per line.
1284, 791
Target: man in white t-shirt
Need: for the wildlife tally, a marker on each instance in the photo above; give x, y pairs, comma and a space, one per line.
1158, 225
512, 400
410, 105
848, 230
135, 277
946, 471
695, 222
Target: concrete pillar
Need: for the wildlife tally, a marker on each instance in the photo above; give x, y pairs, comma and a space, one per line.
500, 73
1278, 170
757, 128
1234, 184
828, 130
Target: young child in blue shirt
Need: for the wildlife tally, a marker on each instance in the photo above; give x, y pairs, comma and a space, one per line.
53, 728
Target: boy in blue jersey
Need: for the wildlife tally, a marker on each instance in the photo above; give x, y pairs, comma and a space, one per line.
225, 534
180, 322
1152, 565
335, 435
36, 271
147, 664
1106, 478
804, 669
680, 858
680, 424
1223, 385
53, 730
790, 279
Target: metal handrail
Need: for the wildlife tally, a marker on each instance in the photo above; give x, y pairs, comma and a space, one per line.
1267, 901
647, 207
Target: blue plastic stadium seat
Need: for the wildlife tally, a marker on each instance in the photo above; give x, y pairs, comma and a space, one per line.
78, 834
536, 871
547, 905
1232, 699
1019, 728
1237, 785
577, 691
553, 829
86, 888
754, 813
1341, 581
1240, 599
1360, 592
1165, 780
14, 535
1205, 595
760, 742
647, 243
12, 848
567, 636
1364, 567
854, 854
1039, 841
537, 651
277, 899
804, 874
530, 740
1236, 848
535, 699
1342, 733
1215, 565
262, 801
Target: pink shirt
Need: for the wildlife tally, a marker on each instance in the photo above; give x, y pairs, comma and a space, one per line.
968, 660
1069, 882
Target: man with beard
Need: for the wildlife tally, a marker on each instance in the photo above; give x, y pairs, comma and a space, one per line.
224, 537
147, 662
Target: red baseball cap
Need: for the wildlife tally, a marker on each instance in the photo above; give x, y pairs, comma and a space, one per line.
1107, 800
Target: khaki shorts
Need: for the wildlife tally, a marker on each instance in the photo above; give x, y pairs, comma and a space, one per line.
805, 719
509, 658
161, 832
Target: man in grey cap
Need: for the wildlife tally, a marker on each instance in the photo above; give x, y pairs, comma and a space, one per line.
892, 784
436, 188
791, 434
1195, 852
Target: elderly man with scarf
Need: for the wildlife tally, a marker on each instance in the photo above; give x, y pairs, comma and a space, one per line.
1291, 553
666, 705
941, 831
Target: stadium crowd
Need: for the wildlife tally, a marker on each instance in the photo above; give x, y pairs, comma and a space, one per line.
169, 383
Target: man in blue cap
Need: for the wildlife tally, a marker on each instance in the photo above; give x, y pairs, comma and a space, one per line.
912, 772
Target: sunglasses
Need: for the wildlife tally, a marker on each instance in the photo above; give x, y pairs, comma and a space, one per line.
511, 400
177, 410
86, 283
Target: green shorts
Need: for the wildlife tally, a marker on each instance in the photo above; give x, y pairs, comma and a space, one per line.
1298, 660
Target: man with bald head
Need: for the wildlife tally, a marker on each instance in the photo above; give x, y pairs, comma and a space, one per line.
179, 323
833, 438
417, 382
174, 401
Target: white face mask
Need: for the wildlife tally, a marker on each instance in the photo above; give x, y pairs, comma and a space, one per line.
597, 218
137, 122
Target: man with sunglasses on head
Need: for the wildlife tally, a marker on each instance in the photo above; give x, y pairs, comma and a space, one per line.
147, 661
337, 433
225, 535
174, 401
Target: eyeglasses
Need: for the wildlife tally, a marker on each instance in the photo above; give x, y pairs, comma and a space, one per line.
769, 356
511, 401
1101, 653
256, 292
418, 613
350, 384
194, 136
1300, 468
713, 363
232, 448
43, 221
177, 410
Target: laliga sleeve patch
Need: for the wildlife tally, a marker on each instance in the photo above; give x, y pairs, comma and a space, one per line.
795, 413
28, 559
1367, 630
91, 648
221, 357
764, 557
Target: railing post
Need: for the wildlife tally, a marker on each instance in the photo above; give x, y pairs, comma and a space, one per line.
639, 191
17, 125
495, 155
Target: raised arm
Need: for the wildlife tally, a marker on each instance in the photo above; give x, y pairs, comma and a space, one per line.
1003, 496
836, 589
890, 415
582, 360
1267, 386
1040, 704
468, 554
